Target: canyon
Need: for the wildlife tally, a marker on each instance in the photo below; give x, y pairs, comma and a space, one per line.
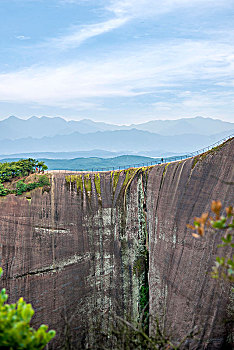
82, 249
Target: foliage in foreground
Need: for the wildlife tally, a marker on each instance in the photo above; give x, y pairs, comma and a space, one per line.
15, 330
224, 225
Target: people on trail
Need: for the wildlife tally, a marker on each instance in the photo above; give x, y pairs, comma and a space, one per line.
162, 160
36, 170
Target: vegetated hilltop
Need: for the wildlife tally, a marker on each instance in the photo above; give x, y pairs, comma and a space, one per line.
95, 244
95, 163
22, 176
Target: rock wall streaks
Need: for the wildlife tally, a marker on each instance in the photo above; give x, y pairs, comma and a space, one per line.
182, 294
79, 251
71, 252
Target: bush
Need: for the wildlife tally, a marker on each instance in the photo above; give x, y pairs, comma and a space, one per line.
21, 187
15, 330
3, 190
43, 181
222, 225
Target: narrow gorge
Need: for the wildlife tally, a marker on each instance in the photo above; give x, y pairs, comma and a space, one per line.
95, 244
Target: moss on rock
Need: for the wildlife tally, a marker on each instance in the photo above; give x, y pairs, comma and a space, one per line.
97, 182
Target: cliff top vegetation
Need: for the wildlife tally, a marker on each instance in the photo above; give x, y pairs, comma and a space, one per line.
15, 177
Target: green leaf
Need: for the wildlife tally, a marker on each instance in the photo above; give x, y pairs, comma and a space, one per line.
197, 224
27, 313
15, 330
219, 224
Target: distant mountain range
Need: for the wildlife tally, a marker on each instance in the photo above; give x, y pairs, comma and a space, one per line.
86, 138
15, 128
95, 153
94, 163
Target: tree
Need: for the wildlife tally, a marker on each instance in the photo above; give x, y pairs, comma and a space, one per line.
15, 330
41, 165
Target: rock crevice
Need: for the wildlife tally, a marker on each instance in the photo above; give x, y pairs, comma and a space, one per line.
94, 243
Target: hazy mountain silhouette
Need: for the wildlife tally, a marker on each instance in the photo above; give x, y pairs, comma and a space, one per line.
96, 153
94, 163
15, 128
115, 141
198, 125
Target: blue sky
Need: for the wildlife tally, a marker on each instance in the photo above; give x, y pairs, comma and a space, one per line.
120, 61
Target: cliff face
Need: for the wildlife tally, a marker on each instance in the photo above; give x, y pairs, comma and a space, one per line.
78, 251
71, 251
181, 290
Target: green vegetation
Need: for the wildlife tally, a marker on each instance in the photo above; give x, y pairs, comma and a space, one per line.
87, 183
21, 186
129, 176
144, 296
224, 225
165, 169
97, 182
115, 179
21, 169
3, 190
75, 179
95, 163
15, 330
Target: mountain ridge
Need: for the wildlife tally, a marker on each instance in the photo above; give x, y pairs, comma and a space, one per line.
16, 128
115, 141
91, 163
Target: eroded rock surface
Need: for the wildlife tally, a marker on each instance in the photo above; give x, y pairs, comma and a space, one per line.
71, 251
75, 251
182, 294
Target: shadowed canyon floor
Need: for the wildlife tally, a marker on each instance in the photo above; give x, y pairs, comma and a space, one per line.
75, 251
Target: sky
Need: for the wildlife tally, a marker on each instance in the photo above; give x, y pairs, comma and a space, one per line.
120, 61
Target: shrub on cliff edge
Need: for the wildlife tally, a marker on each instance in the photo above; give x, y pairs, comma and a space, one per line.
222, 225
15, 330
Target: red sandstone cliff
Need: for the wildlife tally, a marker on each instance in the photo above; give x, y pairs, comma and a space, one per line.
72, 251
181, 290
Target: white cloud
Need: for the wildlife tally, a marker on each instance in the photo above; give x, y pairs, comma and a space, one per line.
141, 8
123, 11
82, 33
229, 83
124, 75
215, 104
23, 37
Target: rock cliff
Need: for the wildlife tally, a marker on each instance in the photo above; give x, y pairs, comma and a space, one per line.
78, 251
